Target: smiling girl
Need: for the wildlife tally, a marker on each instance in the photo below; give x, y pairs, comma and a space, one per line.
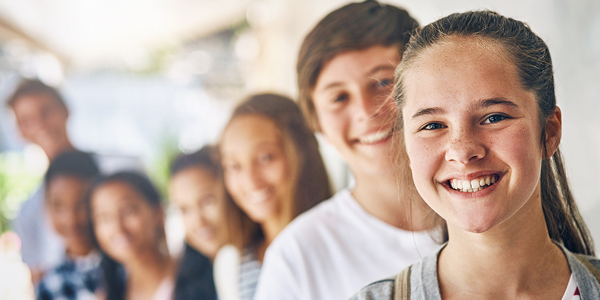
482, 129
128, 224
273, 171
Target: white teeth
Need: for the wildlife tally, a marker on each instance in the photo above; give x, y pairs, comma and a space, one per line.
375, 137
205, 233
466, 185
474, 185
258, 196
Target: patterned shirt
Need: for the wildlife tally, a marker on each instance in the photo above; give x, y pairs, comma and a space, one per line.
249, 272
73, 279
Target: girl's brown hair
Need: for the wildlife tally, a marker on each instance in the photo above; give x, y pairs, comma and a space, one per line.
532, 59
310, 181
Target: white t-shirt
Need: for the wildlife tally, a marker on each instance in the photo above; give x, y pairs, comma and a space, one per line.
333, 250
572, 292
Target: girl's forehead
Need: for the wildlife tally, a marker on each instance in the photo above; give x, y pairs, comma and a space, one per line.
461, 71
463, 49
116, 194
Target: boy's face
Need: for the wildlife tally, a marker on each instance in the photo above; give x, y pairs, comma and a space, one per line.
354, 110
41, 119
65, 202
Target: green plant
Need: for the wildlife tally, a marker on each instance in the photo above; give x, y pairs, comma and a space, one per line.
16, 183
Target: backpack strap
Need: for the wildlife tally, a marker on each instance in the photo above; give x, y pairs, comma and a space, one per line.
402, 285
595, 272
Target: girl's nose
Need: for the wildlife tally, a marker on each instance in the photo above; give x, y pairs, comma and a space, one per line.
465, 147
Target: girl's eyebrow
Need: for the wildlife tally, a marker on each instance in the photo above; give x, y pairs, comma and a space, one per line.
483, 103
429, 111
497, 101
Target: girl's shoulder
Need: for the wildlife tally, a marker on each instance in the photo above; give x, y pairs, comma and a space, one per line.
380, 290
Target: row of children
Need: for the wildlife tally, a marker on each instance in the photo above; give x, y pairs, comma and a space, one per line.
468, 151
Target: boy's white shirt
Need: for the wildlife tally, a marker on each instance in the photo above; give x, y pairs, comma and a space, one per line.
333, 250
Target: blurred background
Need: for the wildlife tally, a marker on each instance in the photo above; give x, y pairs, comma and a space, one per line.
151, 78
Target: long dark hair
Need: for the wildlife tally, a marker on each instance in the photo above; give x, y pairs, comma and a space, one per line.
532, 59
311, 184
113, 271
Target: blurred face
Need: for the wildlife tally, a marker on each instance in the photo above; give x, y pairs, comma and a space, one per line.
473, 137
41, 119
124, 222
256, 170
65, 203
199, 197
353, 108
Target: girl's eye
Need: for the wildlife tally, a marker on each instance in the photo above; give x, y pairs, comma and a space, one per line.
341, 97
232, 167
266, 158
432, 126
129, 210
494, 119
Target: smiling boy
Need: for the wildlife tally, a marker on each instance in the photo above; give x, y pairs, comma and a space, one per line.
345, 76
79, 274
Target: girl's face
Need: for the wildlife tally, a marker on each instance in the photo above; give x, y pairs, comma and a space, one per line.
257, 173
473, 136
199, 197
125, 224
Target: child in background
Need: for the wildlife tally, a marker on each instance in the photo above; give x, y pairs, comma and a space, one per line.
273, 171
196, 188
79, 275
128, 223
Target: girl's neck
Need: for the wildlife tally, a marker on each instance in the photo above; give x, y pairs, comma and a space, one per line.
393, 201
515, 259
146, 272
271, 229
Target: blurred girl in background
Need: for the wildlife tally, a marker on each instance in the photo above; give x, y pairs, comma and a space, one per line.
273, 171
128, 224
196, 189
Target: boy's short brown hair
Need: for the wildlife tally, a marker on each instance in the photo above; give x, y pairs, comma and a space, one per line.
356, 26
34, 86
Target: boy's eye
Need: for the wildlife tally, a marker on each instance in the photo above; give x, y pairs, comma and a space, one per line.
432, 126
494, 119
385, 83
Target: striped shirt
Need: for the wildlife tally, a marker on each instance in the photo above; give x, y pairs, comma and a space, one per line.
249, 272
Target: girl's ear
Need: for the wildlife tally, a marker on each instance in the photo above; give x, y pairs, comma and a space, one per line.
553, 132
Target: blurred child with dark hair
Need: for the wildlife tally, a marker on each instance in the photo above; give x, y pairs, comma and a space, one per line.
79, 275
196, 188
